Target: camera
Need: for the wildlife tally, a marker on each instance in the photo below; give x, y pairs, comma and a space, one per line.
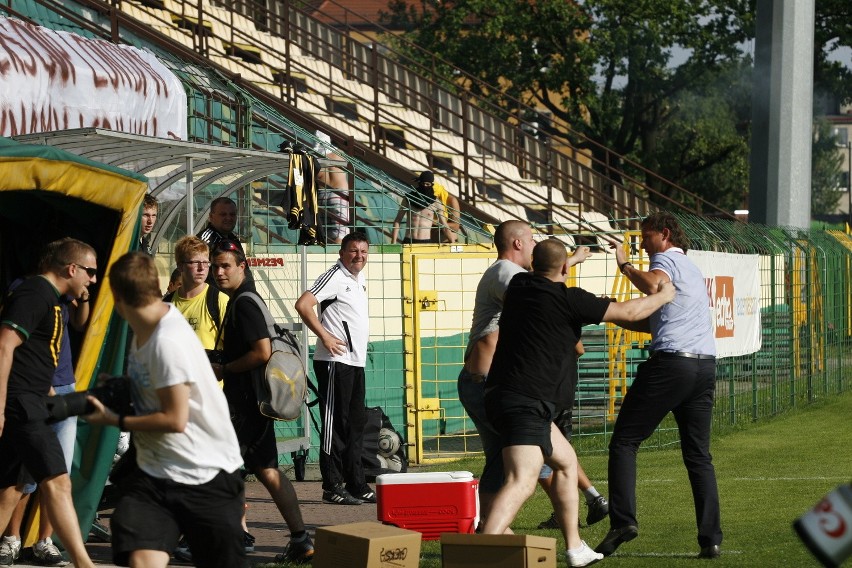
215, 357
827, 528
113, 392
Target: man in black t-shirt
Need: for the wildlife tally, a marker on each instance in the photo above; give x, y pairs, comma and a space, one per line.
31, 330
247, 348
532, 378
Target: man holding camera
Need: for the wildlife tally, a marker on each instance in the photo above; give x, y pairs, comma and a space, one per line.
247, 348
31, 331
188, 480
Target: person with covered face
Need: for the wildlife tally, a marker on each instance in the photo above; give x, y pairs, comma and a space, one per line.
423, 208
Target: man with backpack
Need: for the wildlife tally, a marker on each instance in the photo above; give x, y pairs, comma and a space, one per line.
247, 348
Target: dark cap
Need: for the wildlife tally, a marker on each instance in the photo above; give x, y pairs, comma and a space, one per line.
426, 176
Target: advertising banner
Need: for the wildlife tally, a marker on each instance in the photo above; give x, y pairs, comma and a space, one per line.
733, 290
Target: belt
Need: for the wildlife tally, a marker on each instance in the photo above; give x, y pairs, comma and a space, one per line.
683, 354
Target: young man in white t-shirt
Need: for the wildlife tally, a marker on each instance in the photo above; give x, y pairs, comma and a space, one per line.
187, 453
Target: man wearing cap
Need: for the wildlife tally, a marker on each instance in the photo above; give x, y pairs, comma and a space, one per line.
333, 192
423, 207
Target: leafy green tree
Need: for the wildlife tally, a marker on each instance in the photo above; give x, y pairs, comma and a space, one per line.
826, 161
644, 78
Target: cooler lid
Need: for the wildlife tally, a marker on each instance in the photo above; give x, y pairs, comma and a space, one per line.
423, 477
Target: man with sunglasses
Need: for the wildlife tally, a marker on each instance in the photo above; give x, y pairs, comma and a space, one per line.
31, 330
247, 348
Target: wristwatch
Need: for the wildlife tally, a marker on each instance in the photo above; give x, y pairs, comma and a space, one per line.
623, 265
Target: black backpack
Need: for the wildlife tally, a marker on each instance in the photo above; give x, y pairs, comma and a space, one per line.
212, 300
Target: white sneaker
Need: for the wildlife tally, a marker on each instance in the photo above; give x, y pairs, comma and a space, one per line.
583, 556
10, 550
47, 554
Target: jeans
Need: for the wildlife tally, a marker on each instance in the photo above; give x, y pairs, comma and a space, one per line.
685, 387
472, 397
66, 430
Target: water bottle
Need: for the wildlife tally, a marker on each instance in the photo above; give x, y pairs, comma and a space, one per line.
827, 528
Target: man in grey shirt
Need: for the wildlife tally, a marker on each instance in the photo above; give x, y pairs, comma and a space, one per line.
680, 376
514, 242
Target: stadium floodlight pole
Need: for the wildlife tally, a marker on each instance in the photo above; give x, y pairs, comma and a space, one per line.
848, 147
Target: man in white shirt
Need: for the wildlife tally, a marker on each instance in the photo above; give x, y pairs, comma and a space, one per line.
342, 329
188, 456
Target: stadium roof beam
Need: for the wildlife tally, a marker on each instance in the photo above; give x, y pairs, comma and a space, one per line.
179, 161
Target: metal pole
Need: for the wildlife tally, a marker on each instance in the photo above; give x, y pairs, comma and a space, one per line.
849, 177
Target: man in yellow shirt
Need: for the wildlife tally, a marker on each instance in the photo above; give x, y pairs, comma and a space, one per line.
202, 306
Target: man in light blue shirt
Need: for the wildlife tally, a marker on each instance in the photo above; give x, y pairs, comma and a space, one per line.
680, 376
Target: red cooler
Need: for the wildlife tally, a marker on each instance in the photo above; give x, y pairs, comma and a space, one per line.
429, 503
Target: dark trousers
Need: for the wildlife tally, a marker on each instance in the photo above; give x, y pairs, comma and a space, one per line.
341, 394
685, 387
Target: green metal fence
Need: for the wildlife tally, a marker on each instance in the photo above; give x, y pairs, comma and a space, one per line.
806, 326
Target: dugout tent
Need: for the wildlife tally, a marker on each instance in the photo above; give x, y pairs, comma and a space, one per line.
46, 194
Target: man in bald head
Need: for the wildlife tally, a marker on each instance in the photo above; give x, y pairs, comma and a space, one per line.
533, 377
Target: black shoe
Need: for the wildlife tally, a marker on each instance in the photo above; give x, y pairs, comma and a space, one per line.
615, 538
248, 541
710, 552
182, 551
99, 533
550, 523
339, 496
297, 552
366, 495
598, 510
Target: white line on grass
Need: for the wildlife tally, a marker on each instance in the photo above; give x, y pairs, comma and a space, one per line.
725, 552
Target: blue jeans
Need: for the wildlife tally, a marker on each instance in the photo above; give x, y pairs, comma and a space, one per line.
66, 430
472, 397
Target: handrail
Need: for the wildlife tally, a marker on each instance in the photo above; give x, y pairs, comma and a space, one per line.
459, 76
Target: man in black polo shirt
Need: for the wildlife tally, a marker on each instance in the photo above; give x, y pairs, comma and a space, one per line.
31, 330
533, 377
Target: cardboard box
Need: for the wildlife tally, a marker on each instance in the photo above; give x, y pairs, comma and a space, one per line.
366, 545
497, 551
431, 503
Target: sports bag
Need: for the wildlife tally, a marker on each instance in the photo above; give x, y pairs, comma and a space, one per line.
281, 387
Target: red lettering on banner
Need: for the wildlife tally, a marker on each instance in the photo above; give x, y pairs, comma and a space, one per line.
266, 262
723, 306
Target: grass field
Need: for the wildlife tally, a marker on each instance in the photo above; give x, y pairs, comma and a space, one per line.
768, 475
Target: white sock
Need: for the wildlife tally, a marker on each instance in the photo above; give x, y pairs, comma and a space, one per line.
11, 539
576, 550
591, 494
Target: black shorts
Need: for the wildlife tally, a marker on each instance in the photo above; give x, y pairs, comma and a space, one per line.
520, 420
29, 448
256, 435
152, 513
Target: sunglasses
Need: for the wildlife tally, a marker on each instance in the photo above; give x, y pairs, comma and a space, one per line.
92, 272
226, 245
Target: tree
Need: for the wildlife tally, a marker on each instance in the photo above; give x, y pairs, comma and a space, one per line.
825, 167
640, 77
